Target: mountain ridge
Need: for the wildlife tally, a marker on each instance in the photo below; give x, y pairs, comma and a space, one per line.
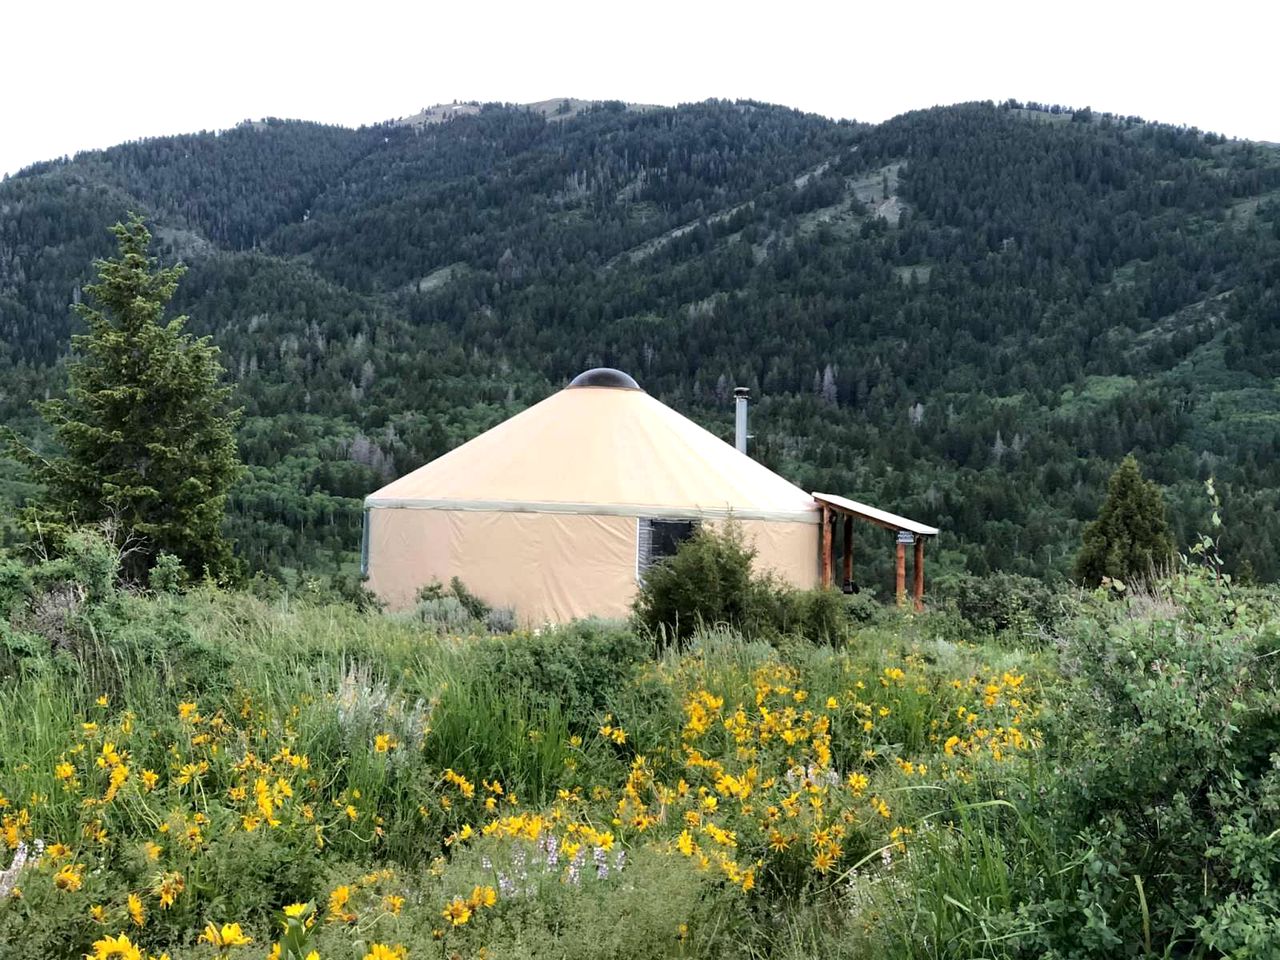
384, 292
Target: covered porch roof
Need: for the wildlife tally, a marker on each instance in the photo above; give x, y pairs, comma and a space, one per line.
908, 532
882, 518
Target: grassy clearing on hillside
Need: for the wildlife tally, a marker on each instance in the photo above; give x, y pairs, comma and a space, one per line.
183, 771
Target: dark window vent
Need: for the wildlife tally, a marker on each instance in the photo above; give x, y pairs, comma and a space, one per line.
656, 539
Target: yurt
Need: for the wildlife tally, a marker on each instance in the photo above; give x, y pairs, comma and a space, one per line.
557, 512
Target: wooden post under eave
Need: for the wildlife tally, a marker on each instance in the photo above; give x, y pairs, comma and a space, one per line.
826, 546
847, 581
902, 574
918, 588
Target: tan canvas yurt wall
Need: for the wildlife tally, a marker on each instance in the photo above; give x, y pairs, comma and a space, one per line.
548, 567
543, 513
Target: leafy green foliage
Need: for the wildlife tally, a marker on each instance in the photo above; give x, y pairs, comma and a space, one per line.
1130, 538
1003, 601
576, 664
166, 574
1171, 776
1140, 821
68, 615
710, 582
147, 438
455, 609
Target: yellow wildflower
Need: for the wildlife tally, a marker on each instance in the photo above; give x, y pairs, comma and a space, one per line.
338, 901
482, 897
168, 888
118, 946
137, 912
70, 877
457, 912
228, 935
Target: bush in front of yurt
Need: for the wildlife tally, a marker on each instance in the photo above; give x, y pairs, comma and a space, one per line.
576, 664
707, 581
710, 581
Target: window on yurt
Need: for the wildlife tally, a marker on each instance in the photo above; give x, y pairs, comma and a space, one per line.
659, 538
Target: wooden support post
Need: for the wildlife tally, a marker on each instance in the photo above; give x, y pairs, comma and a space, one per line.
847, 582
902, 574
918, 589
826, 546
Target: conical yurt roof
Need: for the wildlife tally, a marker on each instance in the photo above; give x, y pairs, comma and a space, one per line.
600, 446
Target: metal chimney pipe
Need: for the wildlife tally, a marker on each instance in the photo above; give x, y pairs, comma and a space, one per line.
741, 395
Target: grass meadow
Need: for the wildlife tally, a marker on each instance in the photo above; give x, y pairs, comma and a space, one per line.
220, 775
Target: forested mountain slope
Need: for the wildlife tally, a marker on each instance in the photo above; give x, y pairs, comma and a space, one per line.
966, 314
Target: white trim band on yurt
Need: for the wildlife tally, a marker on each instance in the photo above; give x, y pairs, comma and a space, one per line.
595, 509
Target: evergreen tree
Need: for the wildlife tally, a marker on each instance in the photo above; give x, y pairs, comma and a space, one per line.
1130, 537
147, 437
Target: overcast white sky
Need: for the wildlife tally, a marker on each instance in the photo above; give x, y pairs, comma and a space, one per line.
82, 75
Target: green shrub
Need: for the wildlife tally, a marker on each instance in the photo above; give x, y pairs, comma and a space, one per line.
455, 609
863, 609
166, 574
820, 616
501, 620
707, 581
710, 582
477, 608
15, 587
444, 615
68, 614
580, 664
1172, 718
1004, 601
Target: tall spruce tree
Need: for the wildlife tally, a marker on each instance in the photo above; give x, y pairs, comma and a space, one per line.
146, 429
1130, 538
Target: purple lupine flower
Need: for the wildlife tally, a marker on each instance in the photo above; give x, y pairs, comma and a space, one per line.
553, 850
619, 860
602, 865
519, 857
506, 886
575, 867
21, 857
